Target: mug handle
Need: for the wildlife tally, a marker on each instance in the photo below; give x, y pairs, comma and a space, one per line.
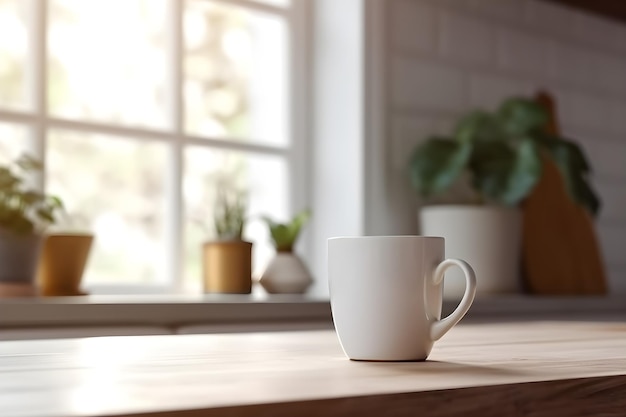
441, 327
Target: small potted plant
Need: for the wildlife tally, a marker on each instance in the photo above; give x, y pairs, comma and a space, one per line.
286, 273
501, 154
24, 215
227, 261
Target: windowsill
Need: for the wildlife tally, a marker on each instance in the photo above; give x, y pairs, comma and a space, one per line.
163, 310
181, 310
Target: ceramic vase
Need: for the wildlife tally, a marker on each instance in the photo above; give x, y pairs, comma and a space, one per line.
286, 274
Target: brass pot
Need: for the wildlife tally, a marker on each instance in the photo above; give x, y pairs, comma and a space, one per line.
62, 263
227, 267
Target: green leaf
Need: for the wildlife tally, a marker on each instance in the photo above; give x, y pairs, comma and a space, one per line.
478, 126
505, 173
229, 215
285, 235
8, 181
21, 225
566, 151
45, 214
54, 201
574, 168
520, 117
299, 221
281, 236
437, 164
584, 195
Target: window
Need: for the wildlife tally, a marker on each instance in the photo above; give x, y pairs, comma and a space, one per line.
139, 108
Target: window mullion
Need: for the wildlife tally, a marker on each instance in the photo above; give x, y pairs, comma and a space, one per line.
174, 208
37, 81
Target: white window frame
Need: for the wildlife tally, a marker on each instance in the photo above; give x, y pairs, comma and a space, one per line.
38, 120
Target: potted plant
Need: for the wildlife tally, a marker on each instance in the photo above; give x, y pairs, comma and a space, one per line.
286, 273
227, 261
63, 258
24, 215
499, 154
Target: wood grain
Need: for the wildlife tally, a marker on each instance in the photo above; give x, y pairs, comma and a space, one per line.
532, 368
560, 248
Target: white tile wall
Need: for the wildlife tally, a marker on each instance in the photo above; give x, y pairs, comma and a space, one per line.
415, 25
619, 40
466, 39
609, 72
569, 63
549, 17
585, 110
486, 91
613, 201
611, 235
507, 10
608, 157
447, 56
618, 116
419, 84
408, 132
598, 31
618, 285
522, 52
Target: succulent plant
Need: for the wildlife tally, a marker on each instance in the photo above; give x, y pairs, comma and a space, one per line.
229, 215
284, 235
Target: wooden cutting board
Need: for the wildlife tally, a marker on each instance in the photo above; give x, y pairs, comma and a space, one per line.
561, 255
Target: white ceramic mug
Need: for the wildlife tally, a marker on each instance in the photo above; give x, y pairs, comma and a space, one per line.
386, 295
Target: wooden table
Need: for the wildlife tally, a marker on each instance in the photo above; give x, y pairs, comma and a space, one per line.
532, 368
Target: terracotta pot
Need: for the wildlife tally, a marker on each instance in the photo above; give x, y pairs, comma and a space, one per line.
227, 267
62, 263
286, 274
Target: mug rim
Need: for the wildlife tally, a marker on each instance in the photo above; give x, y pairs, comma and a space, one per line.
398, 237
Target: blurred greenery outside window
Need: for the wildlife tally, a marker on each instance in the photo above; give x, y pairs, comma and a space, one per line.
139, 109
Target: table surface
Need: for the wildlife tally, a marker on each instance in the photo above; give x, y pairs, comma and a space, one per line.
483, 369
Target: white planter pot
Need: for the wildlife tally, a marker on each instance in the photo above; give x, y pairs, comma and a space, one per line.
489, 238
286, 274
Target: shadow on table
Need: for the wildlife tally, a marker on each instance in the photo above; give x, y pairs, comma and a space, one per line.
442, 368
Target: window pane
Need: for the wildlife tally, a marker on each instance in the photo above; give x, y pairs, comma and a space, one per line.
13, 141
13, 46
263, 178
115, 188
107, 61
282, 3
235, 73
